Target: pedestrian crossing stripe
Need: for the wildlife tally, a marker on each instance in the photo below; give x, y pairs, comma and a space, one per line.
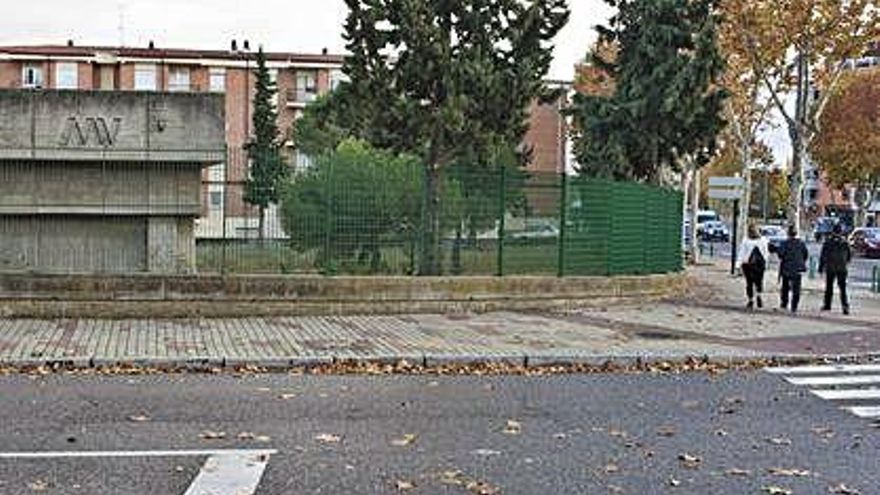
855, 387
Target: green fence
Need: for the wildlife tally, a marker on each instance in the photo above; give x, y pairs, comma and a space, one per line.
354, 219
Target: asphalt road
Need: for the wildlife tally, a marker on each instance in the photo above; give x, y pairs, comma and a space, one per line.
624, 434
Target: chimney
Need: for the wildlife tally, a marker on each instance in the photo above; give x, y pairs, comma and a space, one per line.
151, 46
234, 46
70, 43
247, 45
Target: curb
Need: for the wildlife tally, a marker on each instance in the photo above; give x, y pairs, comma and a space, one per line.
428, 362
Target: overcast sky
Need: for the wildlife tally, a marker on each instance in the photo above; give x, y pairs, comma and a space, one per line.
280, 25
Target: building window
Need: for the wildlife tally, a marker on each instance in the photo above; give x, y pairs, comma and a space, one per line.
66, 75
32, 76
217, 173
306, 86
145, 77
218, 80
216, 199
178, 79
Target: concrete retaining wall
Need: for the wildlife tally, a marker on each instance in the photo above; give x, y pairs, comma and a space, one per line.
143, 295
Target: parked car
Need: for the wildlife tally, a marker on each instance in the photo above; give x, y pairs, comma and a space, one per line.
775, 236
866, 242
825, 225
715, 231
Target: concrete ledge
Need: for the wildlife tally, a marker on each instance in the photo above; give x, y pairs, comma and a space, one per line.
172, 296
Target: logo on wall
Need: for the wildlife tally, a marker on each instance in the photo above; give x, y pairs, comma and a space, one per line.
90, 131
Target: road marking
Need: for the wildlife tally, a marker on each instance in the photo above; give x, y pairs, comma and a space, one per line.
825, 369
225, 472
851, 394
229, 474
835, 380
865, 412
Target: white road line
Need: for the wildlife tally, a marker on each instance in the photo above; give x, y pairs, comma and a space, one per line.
835, 380
226, 472
229, 474
825, 369
865, 412
133, 453
850, 394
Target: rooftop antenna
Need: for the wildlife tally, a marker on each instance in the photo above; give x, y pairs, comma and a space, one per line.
121, 7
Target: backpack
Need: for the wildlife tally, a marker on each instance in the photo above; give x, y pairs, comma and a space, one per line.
756, 259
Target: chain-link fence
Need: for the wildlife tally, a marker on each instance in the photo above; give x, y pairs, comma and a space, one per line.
351, 214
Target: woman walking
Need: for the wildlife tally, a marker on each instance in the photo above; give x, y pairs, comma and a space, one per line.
753, 255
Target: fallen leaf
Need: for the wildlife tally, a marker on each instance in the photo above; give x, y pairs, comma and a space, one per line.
452, 478
246, 435
287, 396
38, 486
689, 460
560, 436
403, 485
779, 441
721, 433
139, 418
513, 427
481, 488
263, 438
328, 438
674, 482
737, 472
800, 473
777, 490
407, 439
617, 433
213, 435
666, 431
485, 452
842, 489
611, 468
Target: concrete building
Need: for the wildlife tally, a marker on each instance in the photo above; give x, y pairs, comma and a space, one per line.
300, 79
96, 181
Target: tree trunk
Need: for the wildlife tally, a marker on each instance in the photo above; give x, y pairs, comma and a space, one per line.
796, 131
695, 207
745, 203
262, 224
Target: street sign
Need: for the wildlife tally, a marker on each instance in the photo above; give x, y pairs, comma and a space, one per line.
726, 194
727, 182
729, 189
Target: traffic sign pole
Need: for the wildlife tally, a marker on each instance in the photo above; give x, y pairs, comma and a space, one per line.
733, 237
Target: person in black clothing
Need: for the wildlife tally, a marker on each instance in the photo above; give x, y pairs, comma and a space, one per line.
793, 256
836, 255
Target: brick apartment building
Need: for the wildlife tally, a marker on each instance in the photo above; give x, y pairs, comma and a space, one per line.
300, 79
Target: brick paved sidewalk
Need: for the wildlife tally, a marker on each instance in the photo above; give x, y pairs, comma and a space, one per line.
709, 321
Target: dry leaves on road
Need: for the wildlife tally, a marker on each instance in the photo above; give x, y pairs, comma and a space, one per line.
842, 489
674, 482
689, 461
779, 441
513, 427
404, 485
286, 396
777, 490
405, 440
738, 472
799, 473
38, 486
328, 438
139, 418
212, 435
611, 468
666, 431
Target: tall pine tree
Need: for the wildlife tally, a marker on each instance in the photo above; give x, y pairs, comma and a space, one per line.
267, 168
666, 104
446, 80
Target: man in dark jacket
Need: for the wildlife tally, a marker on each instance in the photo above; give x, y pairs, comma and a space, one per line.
836, 255
793, 256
